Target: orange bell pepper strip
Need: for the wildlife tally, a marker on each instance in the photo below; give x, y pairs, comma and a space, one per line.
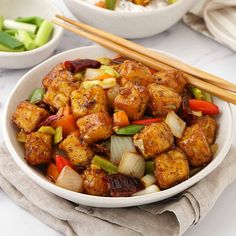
68, 124
120, 119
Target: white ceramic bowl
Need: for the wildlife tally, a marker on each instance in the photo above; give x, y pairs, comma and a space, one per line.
129, 24
43, 8
33, 79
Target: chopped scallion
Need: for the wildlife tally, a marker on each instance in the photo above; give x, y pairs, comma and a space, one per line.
44, 33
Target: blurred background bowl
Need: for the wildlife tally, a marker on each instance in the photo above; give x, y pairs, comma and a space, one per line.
130, 24
43, 8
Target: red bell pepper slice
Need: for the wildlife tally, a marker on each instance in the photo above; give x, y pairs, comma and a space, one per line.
207, 108
61, 162
147, 121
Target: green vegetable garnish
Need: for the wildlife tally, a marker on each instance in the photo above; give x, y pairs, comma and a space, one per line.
7, 49
44, 33
197, 93
37, 95
108, 70
9, 41
105, 164
58, 136
110, 4
79, 76
35, 20
12, 32
25, 38
46, 129
104, 60
149, 167
129, 130
207, 96
1, 22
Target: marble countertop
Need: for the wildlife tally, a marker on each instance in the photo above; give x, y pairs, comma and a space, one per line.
184, 43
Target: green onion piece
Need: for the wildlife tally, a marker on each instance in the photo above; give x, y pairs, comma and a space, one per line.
129, 130
110, 4
11, 24
207, 96
1, 22
9, 41
79, 76
12, 32
4, 48
35, 20
44, 33
25, 38
197, 93
105, 164
46, 129
171, 1
104, 60
108, 70
58, 136
149, 167
37, 95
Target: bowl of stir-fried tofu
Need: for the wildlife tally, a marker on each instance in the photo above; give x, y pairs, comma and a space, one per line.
102, 130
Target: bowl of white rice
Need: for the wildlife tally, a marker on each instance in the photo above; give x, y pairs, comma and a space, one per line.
129, 20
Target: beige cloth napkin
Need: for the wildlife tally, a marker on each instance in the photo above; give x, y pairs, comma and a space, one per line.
171, 217
215, 19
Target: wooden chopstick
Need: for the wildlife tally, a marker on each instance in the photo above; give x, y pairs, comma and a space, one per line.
164, 59
219, 92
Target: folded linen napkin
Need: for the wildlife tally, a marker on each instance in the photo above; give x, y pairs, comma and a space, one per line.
215, 19
170, 217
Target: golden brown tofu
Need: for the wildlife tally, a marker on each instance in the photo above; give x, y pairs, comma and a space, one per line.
78, 153
59, 72
95, 127
95, 182
133, 100
27, 116
154, 139
209, 127
58, 93
195, 146
171, 168
163, 100
135, 72
88, 101
172, 79
38, 148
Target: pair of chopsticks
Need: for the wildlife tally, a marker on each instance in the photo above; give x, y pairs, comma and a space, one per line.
201, 79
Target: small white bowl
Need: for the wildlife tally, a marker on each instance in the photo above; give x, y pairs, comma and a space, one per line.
23, 8
130, 24
33, 79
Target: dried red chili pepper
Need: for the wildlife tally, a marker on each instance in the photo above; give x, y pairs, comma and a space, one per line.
81, 64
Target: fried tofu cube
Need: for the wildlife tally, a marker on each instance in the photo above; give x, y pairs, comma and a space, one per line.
209, 127
172, 79
171, 168
27, 116
195, 146
95, 127
88, 101
135, 72
59, 72
95, 182
78, 152
154, 139
133, 100
58, 93
38, 148
163, 100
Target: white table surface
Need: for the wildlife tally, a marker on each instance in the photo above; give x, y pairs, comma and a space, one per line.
186, 44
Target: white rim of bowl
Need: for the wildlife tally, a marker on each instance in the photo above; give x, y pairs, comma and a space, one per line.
111, 201
128, 13
45, 46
